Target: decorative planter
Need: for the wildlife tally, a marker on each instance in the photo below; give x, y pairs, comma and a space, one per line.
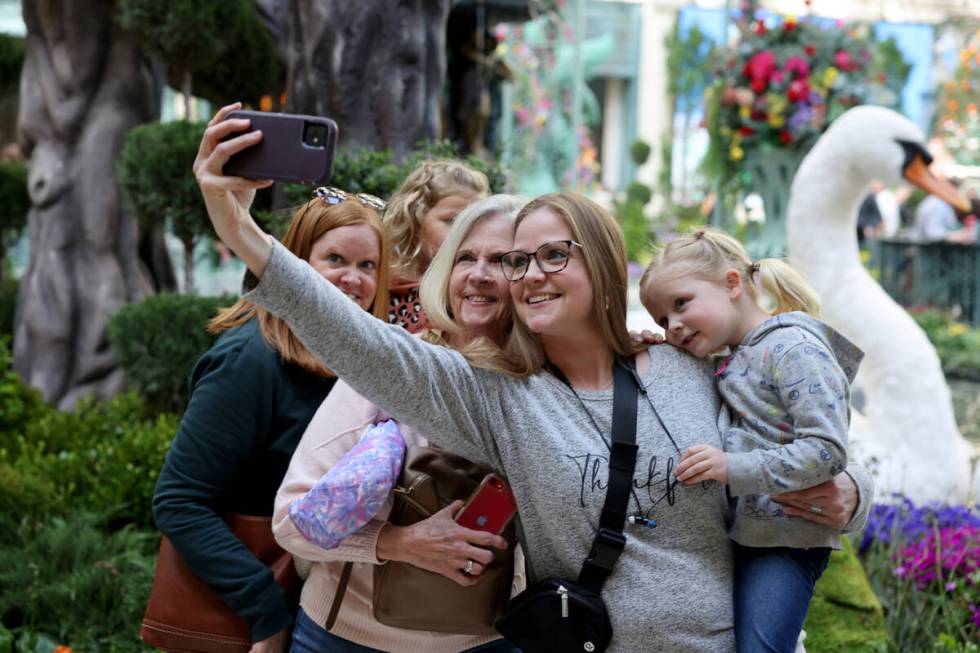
772, 173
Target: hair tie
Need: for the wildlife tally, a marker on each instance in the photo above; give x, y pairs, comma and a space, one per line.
754, 273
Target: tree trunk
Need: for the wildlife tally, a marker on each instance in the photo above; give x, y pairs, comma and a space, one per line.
85, 84
376, 67
188, 266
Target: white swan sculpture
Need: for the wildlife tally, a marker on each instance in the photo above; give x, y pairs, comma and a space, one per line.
907, 436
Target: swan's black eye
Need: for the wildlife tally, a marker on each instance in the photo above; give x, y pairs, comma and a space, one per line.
913, 149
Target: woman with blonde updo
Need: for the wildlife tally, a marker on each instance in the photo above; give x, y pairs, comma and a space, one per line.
416, 221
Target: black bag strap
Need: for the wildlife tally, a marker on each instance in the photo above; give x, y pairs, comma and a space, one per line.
609, 540
338, 597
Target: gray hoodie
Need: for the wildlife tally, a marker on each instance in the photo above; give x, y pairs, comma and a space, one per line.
787, 388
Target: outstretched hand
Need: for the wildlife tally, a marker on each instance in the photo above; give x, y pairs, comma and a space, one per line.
702, 462
228, 198
441, 545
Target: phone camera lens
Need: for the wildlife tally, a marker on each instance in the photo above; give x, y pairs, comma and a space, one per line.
314, 134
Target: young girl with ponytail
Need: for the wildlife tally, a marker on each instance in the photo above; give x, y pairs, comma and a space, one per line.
785, 382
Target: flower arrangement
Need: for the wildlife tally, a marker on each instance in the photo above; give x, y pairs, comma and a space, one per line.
785, 80
924, 563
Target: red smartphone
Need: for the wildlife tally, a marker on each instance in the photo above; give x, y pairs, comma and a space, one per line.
294, 148
490, 507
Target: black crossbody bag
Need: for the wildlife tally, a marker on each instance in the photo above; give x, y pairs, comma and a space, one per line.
563, 614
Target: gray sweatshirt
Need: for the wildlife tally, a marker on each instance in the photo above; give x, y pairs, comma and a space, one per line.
672, 587
787, 387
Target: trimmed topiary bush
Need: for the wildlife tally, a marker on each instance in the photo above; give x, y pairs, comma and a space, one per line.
157, 342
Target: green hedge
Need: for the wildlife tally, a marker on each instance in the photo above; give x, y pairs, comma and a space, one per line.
377, 173
957, 344
66, 580
157, 342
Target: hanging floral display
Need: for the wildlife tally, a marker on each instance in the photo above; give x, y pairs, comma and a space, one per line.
785, 80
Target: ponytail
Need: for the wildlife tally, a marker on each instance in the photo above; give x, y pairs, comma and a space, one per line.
787, 287
707, 252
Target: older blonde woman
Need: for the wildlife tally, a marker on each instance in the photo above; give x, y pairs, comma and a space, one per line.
466, 300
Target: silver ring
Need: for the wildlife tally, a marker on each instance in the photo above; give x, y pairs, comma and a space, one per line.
468, 569
815, 508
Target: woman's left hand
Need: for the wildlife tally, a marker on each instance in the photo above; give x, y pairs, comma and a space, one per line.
831, 503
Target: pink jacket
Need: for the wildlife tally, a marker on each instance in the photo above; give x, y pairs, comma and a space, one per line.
337, 426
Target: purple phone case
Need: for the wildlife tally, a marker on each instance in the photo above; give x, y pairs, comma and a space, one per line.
281, 154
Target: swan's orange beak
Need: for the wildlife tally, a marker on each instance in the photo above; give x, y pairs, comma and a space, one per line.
918, 173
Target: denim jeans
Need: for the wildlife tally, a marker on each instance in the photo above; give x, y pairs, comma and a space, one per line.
773, 588
310, 637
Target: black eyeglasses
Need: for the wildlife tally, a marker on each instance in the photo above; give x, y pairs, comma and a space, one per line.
332, 195
551, 257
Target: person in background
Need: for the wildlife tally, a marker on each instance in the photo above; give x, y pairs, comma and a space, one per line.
936, 220
416, 221
251, 397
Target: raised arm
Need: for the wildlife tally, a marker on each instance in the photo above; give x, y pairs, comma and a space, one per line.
424, 386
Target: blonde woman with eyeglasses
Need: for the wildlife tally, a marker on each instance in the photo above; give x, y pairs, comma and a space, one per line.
251, 397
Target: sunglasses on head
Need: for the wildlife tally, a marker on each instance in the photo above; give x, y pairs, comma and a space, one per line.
332, 195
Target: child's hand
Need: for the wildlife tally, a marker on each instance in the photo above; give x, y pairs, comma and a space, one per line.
702, 462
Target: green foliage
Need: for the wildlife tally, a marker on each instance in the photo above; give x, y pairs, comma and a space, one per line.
687, 64
8, 303
103, 457
66, 580
183, 33
158, 340
14, 201
20, 405
154, 172
12, 52
380, 173
845, 615
639, 152
636, 227
248, 68
957, 344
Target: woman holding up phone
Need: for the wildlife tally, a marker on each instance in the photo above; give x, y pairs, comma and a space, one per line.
463, 281
539, 410
251, 396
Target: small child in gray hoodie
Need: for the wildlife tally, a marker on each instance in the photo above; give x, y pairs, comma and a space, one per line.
786, 386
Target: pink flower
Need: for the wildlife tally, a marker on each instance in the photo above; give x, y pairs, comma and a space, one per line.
778, 77
762, 65
842, 59
797, 66
798, 90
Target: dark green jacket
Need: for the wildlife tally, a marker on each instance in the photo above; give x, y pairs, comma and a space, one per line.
246, 414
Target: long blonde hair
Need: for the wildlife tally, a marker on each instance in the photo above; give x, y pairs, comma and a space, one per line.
707, 253
308, 225
604, 251
434, 288
425, 186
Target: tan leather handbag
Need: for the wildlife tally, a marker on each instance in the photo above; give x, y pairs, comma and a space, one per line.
183, 614
406, 596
